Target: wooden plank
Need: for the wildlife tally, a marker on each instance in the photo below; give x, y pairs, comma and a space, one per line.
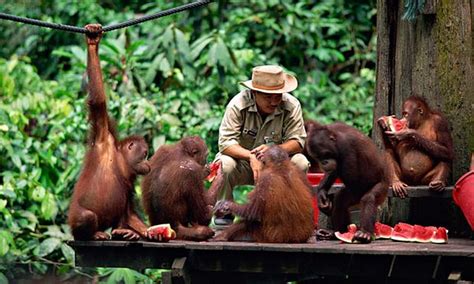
459, 247
249, 262
424, 191
413, 191
127, 254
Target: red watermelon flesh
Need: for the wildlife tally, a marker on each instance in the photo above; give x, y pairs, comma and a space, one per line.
352, 228
161, 233
423, 234
347, 236
212, 175
403, 232
441, 236
404, 226
382, 231
392, 123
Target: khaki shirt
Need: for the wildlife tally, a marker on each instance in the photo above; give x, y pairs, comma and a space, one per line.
243, 125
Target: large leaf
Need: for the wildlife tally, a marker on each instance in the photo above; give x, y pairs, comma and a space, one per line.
3, 278
49, 208
171, 119
182, 44
38, 193
79, 53
158, 141
167, 37
199, 45
48, 246
212, 57
68, 253
31, 219
222, 53
3, 203
6, 239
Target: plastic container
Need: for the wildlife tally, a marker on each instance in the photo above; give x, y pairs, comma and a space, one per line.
463, 196
314, 179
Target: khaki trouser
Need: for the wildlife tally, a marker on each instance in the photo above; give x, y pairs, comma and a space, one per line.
239, 172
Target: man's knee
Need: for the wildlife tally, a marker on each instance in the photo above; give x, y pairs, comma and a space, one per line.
228, 164
300, 161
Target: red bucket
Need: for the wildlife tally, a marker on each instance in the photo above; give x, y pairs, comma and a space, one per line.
463, 196
314, 179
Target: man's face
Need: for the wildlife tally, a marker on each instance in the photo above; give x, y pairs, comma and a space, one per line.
267, 103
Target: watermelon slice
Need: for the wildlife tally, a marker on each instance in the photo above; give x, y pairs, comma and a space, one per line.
382, 231
391, 123
347, 236
214, 167
161, 233
423, 234
440, 236
403, 232
407, 233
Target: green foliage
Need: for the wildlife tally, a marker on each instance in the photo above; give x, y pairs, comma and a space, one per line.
122, 275
40, 160
165, 79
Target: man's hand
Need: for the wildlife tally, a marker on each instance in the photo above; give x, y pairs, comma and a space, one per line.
222, 208
260, 151
256, 166
94, 33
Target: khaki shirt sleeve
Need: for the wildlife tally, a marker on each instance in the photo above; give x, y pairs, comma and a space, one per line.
229, 131
293, 127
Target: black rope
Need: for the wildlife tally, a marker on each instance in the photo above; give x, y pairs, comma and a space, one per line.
43, 24
156, 16
106, 28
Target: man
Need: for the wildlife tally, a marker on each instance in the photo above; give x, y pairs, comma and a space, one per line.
263, 115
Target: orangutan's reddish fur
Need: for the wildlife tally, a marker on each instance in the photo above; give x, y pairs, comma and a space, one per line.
279, 209
174, 190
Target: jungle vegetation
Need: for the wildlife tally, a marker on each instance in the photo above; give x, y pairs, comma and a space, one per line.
165, 79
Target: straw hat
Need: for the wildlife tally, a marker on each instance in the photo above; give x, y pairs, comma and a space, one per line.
271, 79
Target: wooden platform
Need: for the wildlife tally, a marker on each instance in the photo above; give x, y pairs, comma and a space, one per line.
424, 191
206, 262
412, 191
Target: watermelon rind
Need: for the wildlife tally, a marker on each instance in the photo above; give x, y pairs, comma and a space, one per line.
437, 239
169, 232
422, 240
345, 237
401, 238
402, 232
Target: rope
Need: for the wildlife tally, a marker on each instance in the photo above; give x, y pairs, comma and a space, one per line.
109, 28
156, 16
42, 23
412, 9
